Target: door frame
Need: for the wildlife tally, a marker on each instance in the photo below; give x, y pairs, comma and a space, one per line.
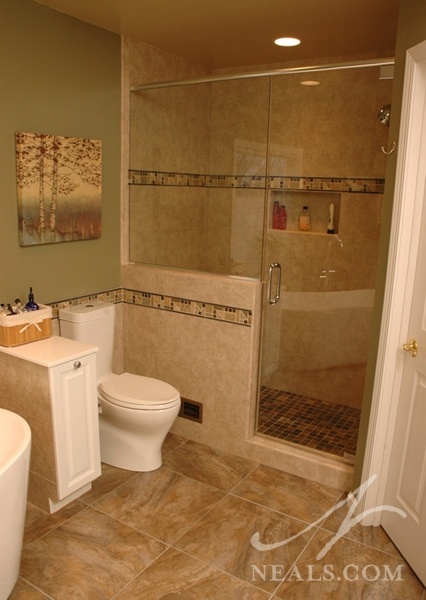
404, 239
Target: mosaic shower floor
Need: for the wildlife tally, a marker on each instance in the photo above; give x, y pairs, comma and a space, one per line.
325, 426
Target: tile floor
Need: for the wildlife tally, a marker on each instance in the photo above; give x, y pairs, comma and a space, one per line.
184, 532
325, 426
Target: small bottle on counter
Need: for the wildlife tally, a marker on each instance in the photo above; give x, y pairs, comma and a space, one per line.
31, 304
304, 220
3, 310
18, 307
10, 310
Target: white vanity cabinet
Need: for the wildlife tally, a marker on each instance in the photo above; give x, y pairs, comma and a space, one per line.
75, 423
52, 384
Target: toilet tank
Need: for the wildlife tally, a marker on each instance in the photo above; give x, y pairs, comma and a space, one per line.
91, 323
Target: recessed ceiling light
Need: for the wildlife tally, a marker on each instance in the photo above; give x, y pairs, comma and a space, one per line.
309, 82
287, 41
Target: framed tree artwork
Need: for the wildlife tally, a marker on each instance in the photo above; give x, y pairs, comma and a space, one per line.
59, 181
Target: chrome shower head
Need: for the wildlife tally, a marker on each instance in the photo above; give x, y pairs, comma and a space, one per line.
384, 115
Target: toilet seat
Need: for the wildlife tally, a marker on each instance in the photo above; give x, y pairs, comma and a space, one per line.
138, 392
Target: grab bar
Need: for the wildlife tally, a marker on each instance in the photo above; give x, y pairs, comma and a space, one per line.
272, 267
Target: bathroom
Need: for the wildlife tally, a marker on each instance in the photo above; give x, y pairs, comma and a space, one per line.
216, 360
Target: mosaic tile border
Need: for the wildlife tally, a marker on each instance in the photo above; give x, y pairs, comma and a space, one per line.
323, 184
194, 308
115, 296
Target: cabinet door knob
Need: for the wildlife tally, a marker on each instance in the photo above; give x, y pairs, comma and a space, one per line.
77, 364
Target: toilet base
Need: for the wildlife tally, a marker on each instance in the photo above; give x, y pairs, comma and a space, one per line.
134, 449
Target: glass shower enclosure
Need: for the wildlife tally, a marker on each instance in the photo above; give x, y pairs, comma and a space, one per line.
198, 203
209, 161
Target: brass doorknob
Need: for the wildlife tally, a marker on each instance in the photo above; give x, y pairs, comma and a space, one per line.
411, 347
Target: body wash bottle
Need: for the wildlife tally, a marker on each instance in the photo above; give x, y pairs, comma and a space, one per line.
276, 215
283, 218
304, 220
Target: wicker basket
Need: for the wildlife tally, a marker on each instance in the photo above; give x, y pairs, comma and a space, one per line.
26, 327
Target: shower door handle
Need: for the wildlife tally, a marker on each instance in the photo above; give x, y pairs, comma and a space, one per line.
272, 267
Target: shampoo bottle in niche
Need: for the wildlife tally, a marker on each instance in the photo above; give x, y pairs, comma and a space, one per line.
304, 220
31, 304
276, 215
283, 218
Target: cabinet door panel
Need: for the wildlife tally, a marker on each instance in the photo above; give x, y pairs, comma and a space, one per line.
76, 427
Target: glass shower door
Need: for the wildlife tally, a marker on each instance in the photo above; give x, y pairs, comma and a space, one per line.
318, 302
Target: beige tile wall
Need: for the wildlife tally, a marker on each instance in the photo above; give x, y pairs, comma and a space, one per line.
24, 389
208, 361
331, 129
169, 226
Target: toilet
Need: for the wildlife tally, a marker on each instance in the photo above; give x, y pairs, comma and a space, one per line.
136, 412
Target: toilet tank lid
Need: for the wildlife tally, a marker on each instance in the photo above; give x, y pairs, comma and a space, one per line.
89, 311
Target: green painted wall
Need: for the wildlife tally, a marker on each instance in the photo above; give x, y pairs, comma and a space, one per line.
58, 76
411, 31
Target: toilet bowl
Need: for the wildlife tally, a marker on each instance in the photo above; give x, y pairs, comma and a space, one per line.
136, 412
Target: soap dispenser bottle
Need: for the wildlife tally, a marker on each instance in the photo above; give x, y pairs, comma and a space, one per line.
31, 304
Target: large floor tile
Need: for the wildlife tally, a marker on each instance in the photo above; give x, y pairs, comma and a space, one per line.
171, 442
24, 591
161, 503
109, 480
348, 570
89, 556
223, 539
289, 494
38, 523
176, 575
208, 465
375, 537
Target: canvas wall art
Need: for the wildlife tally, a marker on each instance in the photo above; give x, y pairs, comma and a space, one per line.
59, 181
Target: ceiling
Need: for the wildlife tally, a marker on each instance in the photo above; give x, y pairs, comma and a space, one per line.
233, 33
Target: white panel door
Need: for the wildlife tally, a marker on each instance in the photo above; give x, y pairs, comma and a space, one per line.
406, 479
406, 482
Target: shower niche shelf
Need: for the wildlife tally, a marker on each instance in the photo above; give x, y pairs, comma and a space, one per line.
308, 233
319, 210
